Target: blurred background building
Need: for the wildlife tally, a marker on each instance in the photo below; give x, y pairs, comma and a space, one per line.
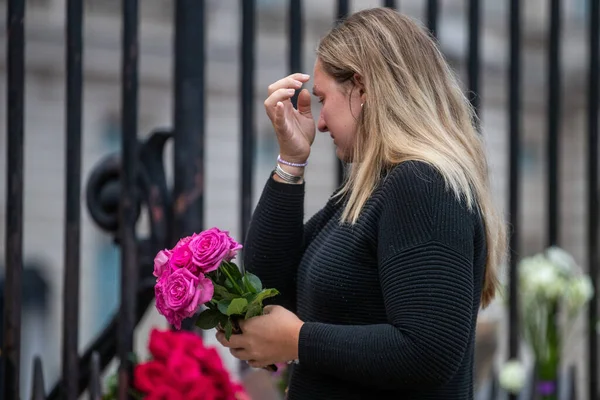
45, 138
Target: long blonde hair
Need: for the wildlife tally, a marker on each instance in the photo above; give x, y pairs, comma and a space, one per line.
414, 110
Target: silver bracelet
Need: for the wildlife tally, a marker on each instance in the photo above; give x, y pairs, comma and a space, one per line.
286, 176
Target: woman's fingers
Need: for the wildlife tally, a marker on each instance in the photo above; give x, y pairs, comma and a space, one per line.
234, 342
279, 95
240, 354
256, 364
279, 121
293, 81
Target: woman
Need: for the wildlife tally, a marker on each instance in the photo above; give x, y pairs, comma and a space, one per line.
380, 290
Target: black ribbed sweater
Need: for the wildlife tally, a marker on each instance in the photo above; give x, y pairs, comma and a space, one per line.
389, 304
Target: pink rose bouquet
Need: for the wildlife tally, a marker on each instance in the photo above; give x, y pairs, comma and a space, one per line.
198, 272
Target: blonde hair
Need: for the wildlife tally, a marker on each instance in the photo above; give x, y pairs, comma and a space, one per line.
414, 111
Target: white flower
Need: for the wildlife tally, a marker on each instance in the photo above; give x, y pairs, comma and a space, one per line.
541, 278
579, 292
562, 260
512, 376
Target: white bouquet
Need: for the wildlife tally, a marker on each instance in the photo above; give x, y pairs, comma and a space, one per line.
552, 292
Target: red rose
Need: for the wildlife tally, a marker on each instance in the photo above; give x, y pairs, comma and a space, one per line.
165, 393
212, 365
162, 343
150, 375
203, 389
185, 369
193, 346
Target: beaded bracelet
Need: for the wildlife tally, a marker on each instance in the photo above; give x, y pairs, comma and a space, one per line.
291, 164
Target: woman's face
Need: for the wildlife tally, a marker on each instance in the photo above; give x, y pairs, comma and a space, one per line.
341, 106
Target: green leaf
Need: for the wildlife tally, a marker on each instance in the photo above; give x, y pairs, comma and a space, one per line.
221, 293
250, 297
264, 294
252, 283
112, 384
231, 270
228, 285
237, 306
254, 310
223, 305
212, 304
228, 329
209, 319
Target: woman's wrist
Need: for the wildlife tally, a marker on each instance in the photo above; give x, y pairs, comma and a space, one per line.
286, 174
290, 169
296, 171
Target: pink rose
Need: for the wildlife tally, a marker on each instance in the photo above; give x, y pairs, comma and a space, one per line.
234, 247
161, 306
182, 258
179, 295
185, 240
211, 247
161, 261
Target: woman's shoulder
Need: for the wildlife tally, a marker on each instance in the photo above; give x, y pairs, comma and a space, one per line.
417, 179
416, 202
417, 187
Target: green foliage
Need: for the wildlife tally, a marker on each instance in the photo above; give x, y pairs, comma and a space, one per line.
235, 297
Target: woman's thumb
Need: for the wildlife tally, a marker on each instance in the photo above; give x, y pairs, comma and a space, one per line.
304, 102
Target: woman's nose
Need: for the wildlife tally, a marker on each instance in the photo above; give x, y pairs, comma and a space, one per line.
321, 125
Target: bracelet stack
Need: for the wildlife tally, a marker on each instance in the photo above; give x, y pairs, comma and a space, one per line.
286, 176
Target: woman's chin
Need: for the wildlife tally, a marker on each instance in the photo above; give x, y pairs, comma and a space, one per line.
343, 156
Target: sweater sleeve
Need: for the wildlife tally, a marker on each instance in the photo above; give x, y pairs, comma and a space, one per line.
276, 239
425, 251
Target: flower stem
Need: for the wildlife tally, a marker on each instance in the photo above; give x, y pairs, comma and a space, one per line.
233, 282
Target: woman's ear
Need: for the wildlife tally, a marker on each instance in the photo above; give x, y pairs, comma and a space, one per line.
360, 85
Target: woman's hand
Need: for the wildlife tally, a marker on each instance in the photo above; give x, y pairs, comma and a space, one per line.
267, 339
295, 129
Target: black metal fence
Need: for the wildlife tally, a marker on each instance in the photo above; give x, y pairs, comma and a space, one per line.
122, 183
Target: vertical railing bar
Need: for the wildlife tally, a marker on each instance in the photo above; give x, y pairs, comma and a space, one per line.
15, 84
342, 11
531, 382
553, 121
95, 387
73, 110
127, 204
390, 4
189, 121
473, 61
572, 395
593, 188
432, 16
514, 95
38, 391
493, 385
247, 121
295, 38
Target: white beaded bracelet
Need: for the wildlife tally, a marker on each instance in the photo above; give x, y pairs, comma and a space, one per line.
291, 164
